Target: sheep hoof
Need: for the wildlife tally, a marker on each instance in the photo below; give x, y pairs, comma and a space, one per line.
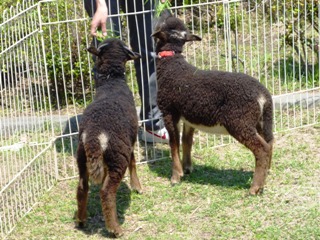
117, 233
188, 170
175, 180
255, 190
80, 224
136, 187
137, 190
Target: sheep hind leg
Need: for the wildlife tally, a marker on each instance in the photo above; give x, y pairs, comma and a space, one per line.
269, 150
265, 131
261, 150
108, 194
187, 140
83, 188
134, 180
270, 154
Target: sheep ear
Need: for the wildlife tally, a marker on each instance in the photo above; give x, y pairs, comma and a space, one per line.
102, 45
165, 13
93, 50
192, 37
131, 54
158, 34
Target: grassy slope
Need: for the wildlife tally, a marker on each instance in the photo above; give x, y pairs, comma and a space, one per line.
211, 203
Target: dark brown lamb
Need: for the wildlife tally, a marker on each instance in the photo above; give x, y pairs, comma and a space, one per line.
211, 101
107, 133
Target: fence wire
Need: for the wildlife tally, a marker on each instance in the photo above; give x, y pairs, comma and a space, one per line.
46, 80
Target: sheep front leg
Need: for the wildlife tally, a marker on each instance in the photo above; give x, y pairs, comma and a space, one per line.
134, 180
108, 194
187, 140
171, 125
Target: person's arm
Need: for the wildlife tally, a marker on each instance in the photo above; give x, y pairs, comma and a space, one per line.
100, 18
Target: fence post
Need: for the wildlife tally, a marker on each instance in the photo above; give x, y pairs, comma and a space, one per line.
227, 34
47, 83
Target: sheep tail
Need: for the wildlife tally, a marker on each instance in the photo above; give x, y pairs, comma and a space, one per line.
267, 127
95, 165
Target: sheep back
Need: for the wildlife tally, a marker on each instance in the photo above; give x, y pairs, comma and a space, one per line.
208, 97
111, 119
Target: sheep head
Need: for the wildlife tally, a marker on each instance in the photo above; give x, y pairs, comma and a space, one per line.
110, 60
112, 52
171, 34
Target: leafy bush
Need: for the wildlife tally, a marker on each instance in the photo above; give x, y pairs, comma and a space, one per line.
66, 56
301, 21
212, 15
65, 42
5, 4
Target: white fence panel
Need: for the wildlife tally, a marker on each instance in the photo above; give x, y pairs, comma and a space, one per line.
46, 82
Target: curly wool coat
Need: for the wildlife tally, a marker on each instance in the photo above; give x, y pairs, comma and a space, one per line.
110, 123
210, 98
212, 101
107, 133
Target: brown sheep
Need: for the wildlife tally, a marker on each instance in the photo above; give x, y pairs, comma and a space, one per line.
107, 133
212, 101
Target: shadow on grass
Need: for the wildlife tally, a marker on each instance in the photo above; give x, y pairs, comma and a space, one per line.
203, 174
95, 222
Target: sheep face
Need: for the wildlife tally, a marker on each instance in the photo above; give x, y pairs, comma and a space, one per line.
106, 52
171, 33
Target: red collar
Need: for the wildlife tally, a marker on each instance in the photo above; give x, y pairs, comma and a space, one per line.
166, 54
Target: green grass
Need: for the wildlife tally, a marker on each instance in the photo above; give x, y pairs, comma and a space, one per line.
211, 203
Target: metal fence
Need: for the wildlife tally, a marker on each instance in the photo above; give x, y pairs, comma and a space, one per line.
46, 82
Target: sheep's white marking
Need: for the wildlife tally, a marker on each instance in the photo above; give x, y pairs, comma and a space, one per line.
105, 182
179, 34
183, 34
84, 136
261, 123
103, 139
261, 100
216, 129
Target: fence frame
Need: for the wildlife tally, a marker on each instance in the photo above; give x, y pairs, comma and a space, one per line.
44, 153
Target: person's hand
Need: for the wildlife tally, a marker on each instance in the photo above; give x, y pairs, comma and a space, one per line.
100, 18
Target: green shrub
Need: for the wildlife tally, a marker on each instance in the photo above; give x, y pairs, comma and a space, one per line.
66, 56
